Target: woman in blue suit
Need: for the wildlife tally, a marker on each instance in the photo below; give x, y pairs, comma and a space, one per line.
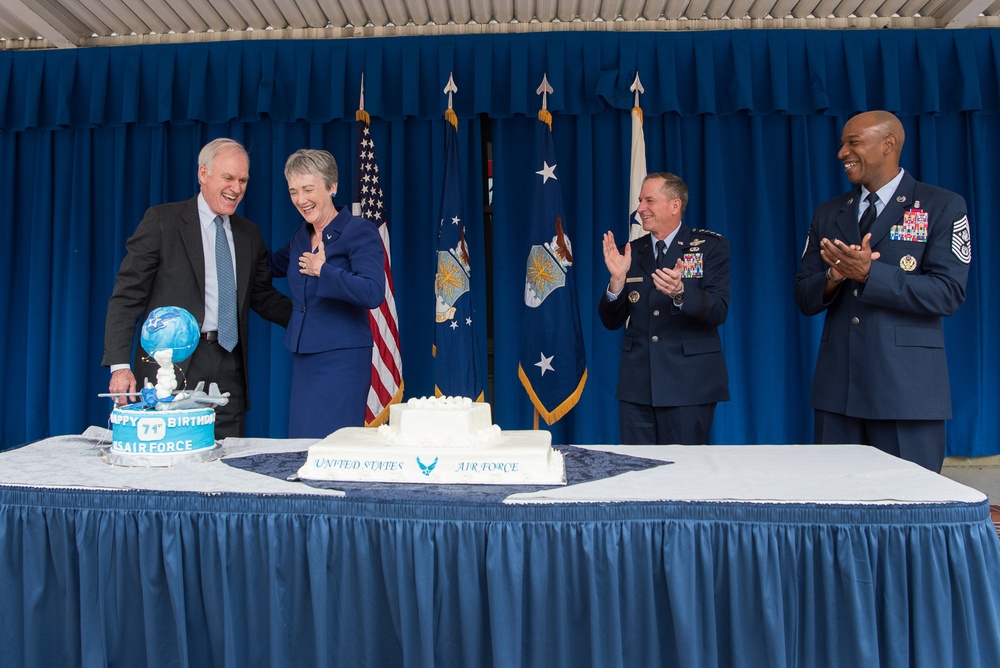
340, 277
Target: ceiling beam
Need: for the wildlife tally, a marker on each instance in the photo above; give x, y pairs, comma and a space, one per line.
43, 21
962, 13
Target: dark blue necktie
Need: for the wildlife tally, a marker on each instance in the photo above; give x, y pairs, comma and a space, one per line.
661, 254
228, 322
868, 217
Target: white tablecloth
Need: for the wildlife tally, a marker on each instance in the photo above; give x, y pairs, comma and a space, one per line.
760, 473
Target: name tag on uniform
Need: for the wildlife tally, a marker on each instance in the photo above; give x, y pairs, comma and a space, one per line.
634, 279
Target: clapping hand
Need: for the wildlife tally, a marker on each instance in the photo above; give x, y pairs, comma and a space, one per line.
616, 263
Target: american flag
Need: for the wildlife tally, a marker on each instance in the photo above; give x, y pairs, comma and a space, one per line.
387, 366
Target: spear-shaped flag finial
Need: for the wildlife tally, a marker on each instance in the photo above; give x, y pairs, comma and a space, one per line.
451, 88
637, 88
544, 89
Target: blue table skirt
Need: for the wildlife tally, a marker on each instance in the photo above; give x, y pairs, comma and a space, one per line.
174, 579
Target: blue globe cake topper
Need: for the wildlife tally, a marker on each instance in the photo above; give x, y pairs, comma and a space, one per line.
170, 328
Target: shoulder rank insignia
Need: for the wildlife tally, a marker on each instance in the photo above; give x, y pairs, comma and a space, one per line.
704, 231
961, 240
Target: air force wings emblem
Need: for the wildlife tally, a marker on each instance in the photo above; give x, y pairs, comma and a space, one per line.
451, 281
548, 264
427, 469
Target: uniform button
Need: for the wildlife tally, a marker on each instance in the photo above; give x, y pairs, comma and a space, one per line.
855, 292
855, 320
303, 309
656, 312
655, 339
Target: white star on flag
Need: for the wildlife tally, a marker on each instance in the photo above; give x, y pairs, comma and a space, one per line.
545, 364
547, 171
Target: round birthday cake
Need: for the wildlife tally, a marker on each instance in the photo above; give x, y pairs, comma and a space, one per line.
144, 437
165, 428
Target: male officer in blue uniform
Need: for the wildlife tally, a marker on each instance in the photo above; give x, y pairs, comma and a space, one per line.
670, 288
886, 261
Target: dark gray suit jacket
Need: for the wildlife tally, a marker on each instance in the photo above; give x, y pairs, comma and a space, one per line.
164, 265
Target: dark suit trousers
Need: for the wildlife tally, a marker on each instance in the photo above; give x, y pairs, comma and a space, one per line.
211, 362
918, 441
665, 425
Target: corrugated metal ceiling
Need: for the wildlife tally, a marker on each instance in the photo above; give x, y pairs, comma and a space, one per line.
72, 23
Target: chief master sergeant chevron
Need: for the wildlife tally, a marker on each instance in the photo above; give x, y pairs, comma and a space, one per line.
670, 288
885, 281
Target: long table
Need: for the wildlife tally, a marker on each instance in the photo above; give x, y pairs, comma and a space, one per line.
728, 556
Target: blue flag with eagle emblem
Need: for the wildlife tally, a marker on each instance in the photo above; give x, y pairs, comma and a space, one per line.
455, 346
552, 363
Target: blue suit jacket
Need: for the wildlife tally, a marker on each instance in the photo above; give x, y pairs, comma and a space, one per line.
673, 356
881, 355
330, 312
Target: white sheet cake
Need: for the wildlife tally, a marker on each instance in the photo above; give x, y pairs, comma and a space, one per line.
439, 440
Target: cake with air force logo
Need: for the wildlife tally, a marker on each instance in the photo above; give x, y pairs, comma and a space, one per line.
164, 428
437, 440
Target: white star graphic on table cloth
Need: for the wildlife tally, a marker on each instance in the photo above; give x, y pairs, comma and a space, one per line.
547, 171
545, 364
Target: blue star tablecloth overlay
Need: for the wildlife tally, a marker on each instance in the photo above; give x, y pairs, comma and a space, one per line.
582, 465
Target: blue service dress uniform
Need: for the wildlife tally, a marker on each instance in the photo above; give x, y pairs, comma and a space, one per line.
882, 352
672, 356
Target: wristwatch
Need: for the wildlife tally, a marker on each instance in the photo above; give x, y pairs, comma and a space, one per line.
829, 276
679, 297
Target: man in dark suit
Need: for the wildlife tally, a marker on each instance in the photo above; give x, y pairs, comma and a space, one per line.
171, 261
886, 261
670, 288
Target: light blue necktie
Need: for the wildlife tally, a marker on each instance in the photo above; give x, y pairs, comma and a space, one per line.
228, 323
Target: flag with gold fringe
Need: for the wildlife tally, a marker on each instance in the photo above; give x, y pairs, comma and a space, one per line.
552, 362
387, 366
455, 364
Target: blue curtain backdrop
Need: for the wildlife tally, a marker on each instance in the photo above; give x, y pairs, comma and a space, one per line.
750, 119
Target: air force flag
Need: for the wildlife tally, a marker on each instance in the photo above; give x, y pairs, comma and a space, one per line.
455, 344
552, 364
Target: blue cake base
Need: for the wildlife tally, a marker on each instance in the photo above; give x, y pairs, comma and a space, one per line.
145, 437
